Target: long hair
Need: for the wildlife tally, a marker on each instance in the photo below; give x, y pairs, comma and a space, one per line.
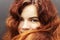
47, 15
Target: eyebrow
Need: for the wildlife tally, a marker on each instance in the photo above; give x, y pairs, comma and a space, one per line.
33, 17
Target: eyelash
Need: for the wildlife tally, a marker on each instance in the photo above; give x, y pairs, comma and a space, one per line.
34, 20
21, 19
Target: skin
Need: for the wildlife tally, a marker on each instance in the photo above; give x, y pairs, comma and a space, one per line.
29, 19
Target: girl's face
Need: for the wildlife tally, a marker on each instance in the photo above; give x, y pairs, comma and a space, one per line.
29, 19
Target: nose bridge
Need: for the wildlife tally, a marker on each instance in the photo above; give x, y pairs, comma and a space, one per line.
25, 24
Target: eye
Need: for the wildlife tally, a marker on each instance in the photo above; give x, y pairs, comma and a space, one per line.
34, 20
21, 19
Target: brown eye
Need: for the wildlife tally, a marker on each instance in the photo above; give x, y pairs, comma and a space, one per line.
35, 20
21, 19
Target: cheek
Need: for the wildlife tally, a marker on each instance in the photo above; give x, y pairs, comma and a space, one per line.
19, 27
35, 25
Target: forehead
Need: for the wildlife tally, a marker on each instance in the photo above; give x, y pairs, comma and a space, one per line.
29, 11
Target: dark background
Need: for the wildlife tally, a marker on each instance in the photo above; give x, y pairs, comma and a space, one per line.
4, 11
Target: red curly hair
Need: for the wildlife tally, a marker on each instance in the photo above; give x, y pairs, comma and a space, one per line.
47, 15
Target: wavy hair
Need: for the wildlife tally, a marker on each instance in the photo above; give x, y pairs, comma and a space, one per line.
47, 15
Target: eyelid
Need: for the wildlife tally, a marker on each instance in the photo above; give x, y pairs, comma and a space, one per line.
21, 19
34, 20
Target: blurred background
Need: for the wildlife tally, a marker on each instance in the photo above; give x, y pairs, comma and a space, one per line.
4, 11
